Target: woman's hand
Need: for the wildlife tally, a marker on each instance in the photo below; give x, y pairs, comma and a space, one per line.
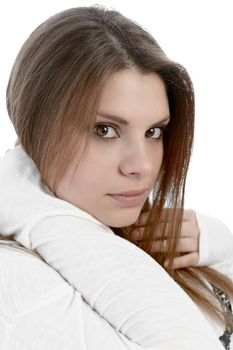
188, 243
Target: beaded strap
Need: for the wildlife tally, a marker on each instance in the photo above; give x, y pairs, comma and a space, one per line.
227, 310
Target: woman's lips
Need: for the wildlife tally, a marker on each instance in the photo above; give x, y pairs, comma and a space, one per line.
130, 201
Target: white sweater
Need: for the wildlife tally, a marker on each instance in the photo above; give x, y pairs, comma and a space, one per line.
117, 297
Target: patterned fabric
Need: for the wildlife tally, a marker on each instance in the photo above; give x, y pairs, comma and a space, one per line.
227, 309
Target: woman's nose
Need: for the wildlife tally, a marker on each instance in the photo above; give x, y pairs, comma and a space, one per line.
138, 160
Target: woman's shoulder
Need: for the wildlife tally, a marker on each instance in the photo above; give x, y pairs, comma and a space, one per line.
19, 262
26, 281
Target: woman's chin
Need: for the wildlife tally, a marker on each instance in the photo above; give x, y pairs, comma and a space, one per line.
122, 221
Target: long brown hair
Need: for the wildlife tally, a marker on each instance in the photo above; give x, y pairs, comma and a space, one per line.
52, 100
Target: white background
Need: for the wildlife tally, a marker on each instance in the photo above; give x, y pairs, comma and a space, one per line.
197, 34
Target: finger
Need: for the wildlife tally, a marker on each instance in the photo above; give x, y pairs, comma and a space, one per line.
189, 226
184, 245
138, 233
186, 260
167, 215
189, 229
189, 215
162, 230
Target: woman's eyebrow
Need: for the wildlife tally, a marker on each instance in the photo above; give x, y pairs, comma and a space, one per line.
125, 122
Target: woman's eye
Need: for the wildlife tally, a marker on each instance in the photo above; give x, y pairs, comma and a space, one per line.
154, 133
102, 130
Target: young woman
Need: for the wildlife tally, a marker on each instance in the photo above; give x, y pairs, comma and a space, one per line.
105, 123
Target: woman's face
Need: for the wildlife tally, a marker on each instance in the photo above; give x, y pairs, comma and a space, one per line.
125, 150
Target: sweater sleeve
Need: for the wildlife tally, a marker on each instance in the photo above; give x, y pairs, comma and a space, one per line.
215, 244
123, 284
53, 316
